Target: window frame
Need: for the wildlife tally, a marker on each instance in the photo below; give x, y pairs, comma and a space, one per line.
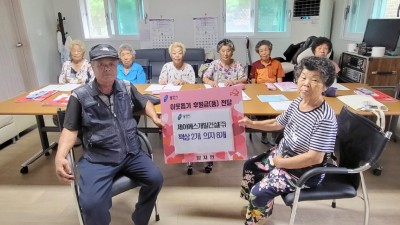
111, 20
254, 17
371, 13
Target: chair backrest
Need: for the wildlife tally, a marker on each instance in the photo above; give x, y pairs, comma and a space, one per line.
360, 142
145, 63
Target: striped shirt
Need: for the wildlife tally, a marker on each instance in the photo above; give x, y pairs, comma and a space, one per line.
315, 130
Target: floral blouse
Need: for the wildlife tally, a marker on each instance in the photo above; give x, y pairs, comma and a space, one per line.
170, 73
69, 75
217, 71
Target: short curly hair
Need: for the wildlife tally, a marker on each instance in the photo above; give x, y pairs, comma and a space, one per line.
127, 47
177, 45
263, 42
225, 42
324, 66
320, 41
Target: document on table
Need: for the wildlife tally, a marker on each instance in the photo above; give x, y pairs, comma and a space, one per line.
339, 87
286, 86
272, 98
245, 97
60, 87
280, 106
157, 88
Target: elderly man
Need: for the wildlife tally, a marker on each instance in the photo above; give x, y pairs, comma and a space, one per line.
103, 109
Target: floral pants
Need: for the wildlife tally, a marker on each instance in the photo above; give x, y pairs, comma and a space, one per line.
261, 183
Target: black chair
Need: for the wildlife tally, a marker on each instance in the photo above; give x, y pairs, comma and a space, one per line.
359, 145
145, 63
121, 182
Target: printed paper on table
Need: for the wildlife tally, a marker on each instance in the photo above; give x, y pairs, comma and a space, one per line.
201, 125
286, 86
61, 100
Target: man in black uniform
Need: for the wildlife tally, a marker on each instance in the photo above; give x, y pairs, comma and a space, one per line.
103, 109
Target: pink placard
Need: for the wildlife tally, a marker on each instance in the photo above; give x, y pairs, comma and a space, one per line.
192, 128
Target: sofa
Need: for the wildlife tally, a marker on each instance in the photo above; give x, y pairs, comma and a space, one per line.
159, 56
12, 125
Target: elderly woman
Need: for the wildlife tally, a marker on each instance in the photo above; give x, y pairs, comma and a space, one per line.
78, 69
266, 69
225, 69
309, 135
177, 72
128, 69
321, 47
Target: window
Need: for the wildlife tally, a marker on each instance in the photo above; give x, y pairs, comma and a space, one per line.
358, 12
255, 17
111, 18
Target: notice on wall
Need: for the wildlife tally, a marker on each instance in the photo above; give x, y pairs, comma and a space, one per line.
161, 32
201, 125
205, 32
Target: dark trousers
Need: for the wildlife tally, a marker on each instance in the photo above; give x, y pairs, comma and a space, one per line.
95, 184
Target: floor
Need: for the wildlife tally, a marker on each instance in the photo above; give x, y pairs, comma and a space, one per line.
213, 199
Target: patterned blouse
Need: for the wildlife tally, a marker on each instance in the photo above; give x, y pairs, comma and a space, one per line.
69, 75
217, 71
170, 73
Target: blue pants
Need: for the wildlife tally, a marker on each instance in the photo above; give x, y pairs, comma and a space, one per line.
95, 184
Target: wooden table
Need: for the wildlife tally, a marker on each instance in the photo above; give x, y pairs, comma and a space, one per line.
10, 107
254, 107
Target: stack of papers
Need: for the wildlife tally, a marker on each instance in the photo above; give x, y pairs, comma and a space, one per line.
158, 88
61, 100
362, 102
377, 95
36, 96
286, 86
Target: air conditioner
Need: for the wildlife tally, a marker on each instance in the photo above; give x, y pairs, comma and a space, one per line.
311, 18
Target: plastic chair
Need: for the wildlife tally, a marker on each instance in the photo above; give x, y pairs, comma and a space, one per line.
360, 142
121, 182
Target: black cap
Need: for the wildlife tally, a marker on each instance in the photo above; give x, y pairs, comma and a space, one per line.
102, 51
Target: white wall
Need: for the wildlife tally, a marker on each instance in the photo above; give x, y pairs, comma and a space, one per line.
41, 29
41, 18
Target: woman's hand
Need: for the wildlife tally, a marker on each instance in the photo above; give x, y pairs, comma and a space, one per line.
163, 82
277, 160
213, 83
229, 83
245, 122
179, 82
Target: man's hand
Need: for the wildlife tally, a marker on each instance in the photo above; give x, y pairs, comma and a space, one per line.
157, 121
63, 170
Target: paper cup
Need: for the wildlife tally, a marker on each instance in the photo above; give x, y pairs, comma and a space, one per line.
352, 47
378, 51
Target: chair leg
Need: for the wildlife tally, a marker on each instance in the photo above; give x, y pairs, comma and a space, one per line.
365, 198
156, 211
294, 205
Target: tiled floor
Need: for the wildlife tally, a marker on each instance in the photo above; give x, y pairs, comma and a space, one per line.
212, 199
